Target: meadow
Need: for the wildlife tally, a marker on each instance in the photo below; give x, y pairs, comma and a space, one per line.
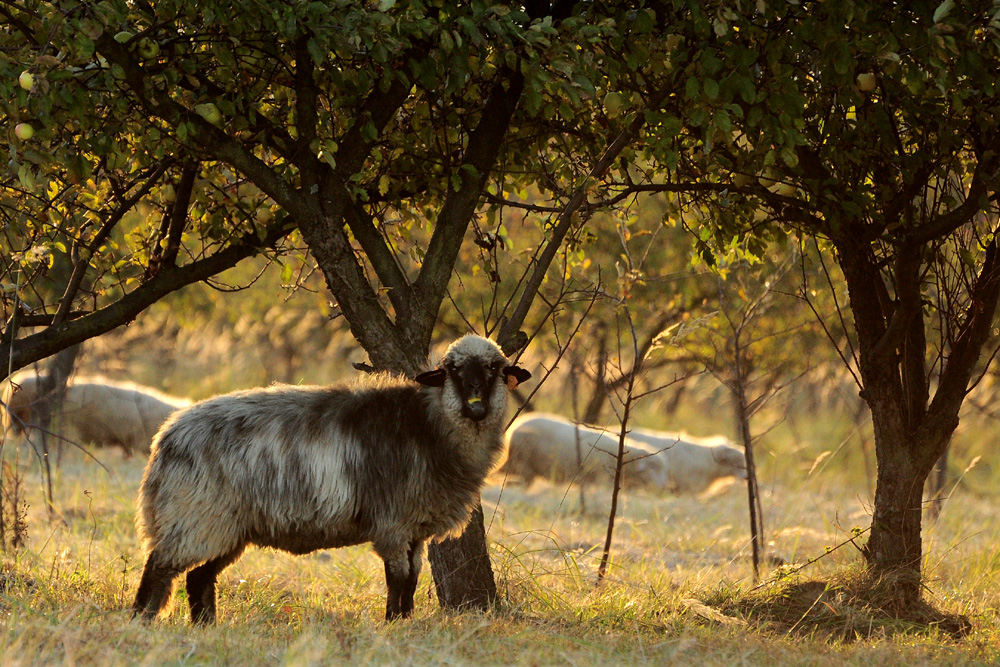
676, 561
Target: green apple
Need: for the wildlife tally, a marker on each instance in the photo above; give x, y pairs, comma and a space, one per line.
265, 215
866, 82
768, 178
24, 131
123, 36
785, 190
209, 112
26, 80
167, 194
612, 104
148, 49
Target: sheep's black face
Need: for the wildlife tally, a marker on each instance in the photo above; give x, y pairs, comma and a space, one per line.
474, 382
469, 376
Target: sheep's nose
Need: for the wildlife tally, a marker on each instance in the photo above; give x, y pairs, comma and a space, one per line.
475, 409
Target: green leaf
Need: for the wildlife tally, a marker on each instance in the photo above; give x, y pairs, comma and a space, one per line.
711, 87
943, 10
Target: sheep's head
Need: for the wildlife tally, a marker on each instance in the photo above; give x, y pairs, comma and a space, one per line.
475, 371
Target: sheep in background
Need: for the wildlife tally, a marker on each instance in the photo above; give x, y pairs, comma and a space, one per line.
545, 445
94, 411
20, 396
692, 464
386, 461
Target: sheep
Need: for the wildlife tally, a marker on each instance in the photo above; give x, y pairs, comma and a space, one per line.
692, 463
299, 468
95, 411
19, 397
545, 445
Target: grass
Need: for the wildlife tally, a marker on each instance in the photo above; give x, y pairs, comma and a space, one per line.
679, 589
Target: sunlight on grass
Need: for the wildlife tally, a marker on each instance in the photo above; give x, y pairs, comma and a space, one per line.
65, 598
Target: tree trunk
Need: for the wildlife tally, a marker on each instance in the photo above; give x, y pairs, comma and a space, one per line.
935, 487
463, 576
894, 548
599, 392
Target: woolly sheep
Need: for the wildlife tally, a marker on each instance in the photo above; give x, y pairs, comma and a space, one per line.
95, 410
692, 464
386, 461
545, 445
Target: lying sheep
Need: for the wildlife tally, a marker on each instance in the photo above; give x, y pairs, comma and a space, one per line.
303, 468
94, 411
692, 463
545, 445
21, 396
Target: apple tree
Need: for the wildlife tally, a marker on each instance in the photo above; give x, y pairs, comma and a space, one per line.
169, 140
874, 130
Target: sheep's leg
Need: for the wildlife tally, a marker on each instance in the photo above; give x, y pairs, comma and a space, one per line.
401, 571
415, 557
155, 588
201, 587
395, 581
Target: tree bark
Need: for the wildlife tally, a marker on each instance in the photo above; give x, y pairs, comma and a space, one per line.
911, 429
894, 548
463, 576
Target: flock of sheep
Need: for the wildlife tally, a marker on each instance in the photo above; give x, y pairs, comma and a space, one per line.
387, 460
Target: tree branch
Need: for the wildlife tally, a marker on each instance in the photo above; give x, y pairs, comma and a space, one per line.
459, 206
565, 221
967, 348
34, 347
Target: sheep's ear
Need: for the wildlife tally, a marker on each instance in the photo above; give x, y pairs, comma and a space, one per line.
515, 376
434, 378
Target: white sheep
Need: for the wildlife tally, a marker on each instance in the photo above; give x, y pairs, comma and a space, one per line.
692, 463
545, 445
386, 461
94, 411
549, 446
19, 398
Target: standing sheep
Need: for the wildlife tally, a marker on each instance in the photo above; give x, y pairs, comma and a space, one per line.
545, 445
692, 463
304, 468
94, 410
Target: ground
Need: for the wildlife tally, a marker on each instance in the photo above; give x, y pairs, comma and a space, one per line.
66, 595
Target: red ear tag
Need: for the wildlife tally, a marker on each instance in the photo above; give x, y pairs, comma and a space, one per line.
511, 382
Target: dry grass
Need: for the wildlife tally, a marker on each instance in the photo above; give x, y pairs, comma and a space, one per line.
679, 590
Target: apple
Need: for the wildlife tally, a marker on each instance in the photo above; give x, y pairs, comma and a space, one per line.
24, 131
612, 104
167, 194
209, 112
148, 49
785, 190
26, 80
264, 215
866, 82
768, 178
123, 36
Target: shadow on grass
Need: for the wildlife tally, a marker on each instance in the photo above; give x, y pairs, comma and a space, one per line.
850, 606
